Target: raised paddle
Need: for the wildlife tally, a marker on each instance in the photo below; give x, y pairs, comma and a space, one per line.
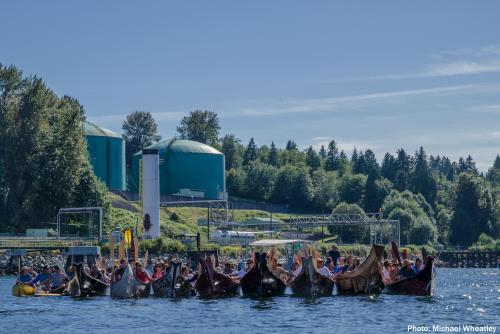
395, 252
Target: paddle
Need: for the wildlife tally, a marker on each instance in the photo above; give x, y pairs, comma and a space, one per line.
146, 255
395, 252
424, 255
111, 245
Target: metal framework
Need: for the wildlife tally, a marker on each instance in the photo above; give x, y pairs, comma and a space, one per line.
372, 220
85, 210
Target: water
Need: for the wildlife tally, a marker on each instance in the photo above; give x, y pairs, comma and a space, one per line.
463, 296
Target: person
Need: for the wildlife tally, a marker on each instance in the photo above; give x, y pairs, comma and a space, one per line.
43, 277
354, 263
246, 269
334, 254
228, 270
296, 269
386, 272
407, 269
419, 266
158, 270
322, 269
341, 267
118, 273
58, 278
95, 272
27, 274
141, 274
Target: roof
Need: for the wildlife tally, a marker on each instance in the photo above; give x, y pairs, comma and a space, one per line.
182, 146
276, 242
91, 129
264, 219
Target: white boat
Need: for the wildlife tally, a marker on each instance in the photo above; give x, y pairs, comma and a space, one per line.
129, 286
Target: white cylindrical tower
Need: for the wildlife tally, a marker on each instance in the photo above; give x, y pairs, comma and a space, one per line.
151, 193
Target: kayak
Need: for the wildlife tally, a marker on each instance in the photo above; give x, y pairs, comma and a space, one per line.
23, 289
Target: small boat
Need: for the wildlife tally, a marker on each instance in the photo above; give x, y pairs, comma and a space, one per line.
260, 281
212, 284
310, 283
84, 285
172, 284
23, 289
422, 284
129, 286
366, 279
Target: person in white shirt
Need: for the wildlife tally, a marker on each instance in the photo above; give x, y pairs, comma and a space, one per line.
322, 269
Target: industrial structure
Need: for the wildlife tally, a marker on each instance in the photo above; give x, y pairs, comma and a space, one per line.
107, 155
188, 169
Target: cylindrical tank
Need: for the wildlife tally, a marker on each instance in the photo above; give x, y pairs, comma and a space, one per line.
151, 193
107, 154
187, 168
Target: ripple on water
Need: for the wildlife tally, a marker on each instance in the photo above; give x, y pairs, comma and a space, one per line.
461, 294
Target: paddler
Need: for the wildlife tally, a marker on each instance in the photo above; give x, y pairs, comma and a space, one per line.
141, 274
27, 274
43, 277
407, 270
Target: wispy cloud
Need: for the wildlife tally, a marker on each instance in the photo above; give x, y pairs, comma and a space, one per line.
473, 61
334, 103
494, 109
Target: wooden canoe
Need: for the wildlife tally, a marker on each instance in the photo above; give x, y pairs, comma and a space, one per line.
212, 284
23, 289
366, 279
310, 283
172, 284
84, 285
129, 286
260, 281
422, 284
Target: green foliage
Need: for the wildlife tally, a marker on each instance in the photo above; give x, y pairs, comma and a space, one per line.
140, 131
162, 246
231, 251
350, 234
293, 185
486, 243
232, 149
43, 155
473, 210
201, 126
235, 182
351, 188
250, 153
260, 180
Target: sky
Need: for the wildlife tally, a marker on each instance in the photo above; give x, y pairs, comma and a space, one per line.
380, 74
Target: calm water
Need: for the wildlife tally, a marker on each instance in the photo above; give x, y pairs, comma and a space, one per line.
463, 296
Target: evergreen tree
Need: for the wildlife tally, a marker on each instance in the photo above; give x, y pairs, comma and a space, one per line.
472, 211
291, 146
231, 147
493, 174
370, 163
422, 180
322, 152
273, 157
312, 159
359, 166
402, 177
388, 169
250, 152
332, 157
370, 193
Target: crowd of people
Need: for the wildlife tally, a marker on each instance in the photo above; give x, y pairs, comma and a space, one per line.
54, 278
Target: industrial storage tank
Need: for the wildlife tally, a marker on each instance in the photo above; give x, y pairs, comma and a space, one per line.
187, 168
107, 155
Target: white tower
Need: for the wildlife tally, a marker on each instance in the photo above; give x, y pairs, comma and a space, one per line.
151, 192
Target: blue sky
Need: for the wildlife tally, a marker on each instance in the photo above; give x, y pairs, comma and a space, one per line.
378, 75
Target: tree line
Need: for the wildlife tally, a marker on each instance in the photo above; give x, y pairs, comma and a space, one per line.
434, 198
44, 163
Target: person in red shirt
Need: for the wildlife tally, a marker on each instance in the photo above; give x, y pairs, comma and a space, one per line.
141, 274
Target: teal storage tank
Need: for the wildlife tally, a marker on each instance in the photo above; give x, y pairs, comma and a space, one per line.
187, 168
107, 155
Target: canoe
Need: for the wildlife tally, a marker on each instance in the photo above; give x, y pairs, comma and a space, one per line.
129, 286
422, 284
310, 283
260, 281
366, 279
172, 284
23, 289
84, 285
212, 284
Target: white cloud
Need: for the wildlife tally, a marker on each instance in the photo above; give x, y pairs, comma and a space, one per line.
333, 103
461, 68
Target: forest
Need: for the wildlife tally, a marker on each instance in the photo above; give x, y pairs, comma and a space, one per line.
44, 166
